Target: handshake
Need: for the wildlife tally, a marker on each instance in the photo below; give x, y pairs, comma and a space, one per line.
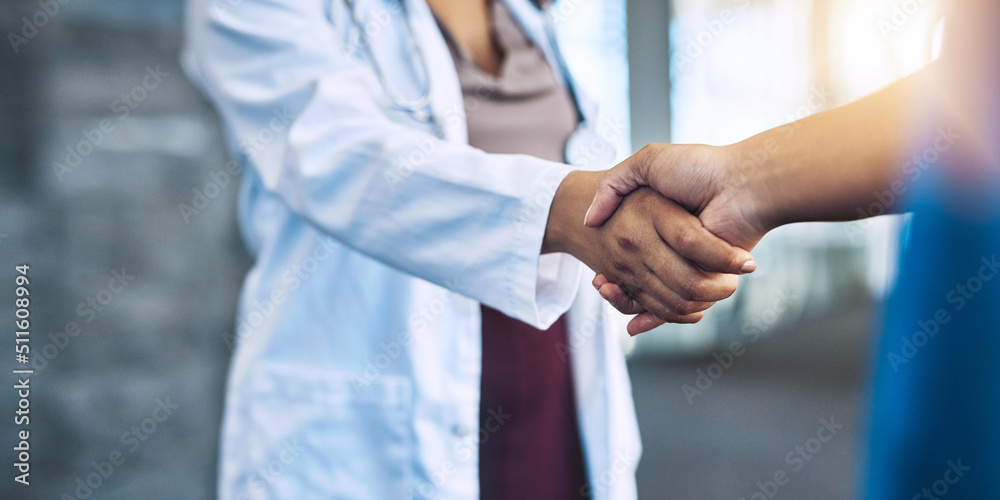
668, 231
671, 227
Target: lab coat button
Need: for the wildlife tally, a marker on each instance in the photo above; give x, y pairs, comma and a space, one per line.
459, 430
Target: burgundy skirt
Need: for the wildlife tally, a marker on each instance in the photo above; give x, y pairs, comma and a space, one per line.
531, 440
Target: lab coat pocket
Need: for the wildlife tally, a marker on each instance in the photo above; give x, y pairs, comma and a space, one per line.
313, 434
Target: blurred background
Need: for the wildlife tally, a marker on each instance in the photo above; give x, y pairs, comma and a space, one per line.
102, 138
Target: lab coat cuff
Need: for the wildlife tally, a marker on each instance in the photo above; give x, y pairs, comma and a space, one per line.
542, 287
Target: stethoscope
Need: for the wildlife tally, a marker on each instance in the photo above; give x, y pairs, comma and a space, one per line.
585, 148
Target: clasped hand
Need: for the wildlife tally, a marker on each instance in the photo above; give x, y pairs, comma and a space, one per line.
654, 257
705, 181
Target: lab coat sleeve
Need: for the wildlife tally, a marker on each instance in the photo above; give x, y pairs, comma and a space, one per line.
441, 211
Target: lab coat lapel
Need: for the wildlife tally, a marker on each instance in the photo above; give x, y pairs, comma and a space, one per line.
446, 93
587, 353
534, 22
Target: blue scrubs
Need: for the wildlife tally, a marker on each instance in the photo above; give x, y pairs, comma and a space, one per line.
935, 422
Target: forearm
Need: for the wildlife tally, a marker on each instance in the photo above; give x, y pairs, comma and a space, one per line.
830, 166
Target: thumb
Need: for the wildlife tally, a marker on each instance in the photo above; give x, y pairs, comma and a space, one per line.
606, 201
612, 186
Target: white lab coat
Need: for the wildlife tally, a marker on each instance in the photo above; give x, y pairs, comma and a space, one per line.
357, 368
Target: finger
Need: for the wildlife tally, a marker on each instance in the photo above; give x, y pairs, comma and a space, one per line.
686, 234
599, 281
664, 312
673, 302
619, 299
688, 281
612, 186
646, 322
643, 323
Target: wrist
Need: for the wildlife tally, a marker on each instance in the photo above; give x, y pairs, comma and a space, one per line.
749, 180
565, 231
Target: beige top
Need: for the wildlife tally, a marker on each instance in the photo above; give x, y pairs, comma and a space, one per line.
523, 109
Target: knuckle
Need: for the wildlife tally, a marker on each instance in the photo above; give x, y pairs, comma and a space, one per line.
688, 318
671, 319
646, 156
686, 239
627, 243
659, 311
736, 264
625, 305
648, 150
688, 307
684, 308
693, 289
622, 268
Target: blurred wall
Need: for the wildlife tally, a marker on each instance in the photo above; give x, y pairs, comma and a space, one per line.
101, 138
649, 70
